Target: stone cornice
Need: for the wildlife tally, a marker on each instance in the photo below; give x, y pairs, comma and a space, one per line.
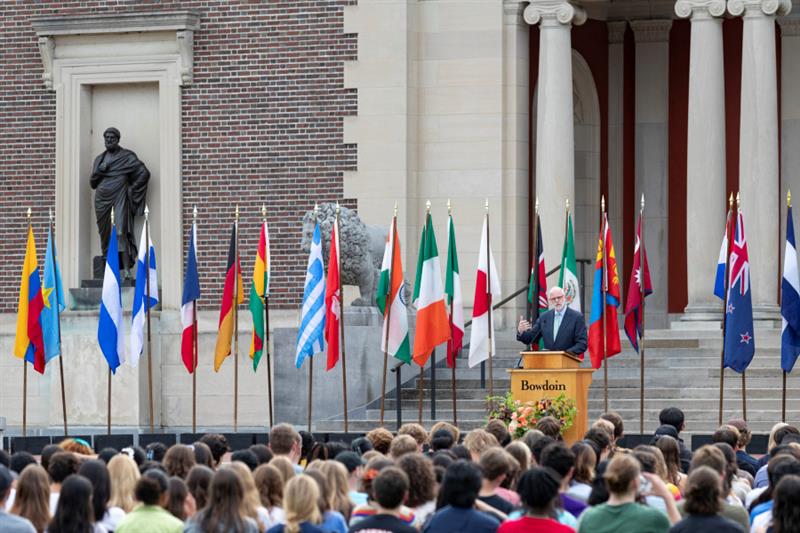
790, 26
512, 11
651, 31
759, 8
700, 9
553, 12
616, 31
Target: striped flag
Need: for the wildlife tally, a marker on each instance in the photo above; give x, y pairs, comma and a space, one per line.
233, 283
310, 336
452, 287
390, 299
790, 300
487, 273
432, 324
259, 291
140, 300
110, 334
568, 275
29, 343
191, 293
53, 296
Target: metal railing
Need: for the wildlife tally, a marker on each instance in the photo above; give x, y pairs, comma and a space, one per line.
397, 369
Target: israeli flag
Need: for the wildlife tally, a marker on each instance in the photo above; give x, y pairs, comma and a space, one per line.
110, 334
719, 280
790, 300
139, 312
310, 337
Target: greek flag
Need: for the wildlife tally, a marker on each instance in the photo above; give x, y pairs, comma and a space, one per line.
140, 304
310, 337
790, 301
110, 334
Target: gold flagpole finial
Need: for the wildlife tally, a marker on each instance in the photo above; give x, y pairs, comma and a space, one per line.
566, 202
428, 206
486, 205
603, 203
264, 211
788, 198
730, 201
642, 203
338, 209
536, 206
395, 208
449, 207
194, 213
316, 211
146, 212
112, 215
29, 213
738, 201
50, 214
237, 212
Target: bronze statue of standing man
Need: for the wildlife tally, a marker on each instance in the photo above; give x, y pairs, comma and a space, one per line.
120, 181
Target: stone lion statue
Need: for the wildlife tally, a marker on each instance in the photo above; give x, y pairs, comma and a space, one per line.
362, 248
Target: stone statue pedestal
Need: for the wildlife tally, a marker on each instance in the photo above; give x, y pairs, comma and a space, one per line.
88, 296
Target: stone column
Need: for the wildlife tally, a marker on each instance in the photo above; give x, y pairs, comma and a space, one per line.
652, 117
758, 148
705, 157
790, 106
616, 104
555, 141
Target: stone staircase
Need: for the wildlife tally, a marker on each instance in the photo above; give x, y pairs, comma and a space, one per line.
681, 369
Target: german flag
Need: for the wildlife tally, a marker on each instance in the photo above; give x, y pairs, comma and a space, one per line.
232, 297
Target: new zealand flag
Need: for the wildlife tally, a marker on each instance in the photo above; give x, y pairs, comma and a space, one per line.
739, 342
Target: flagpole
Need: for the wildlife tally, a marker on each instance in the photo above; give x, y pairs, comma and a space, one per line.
266, 320
58, 328
311, 357
388, 311
109, 367
421, 381
489, 294
194, 337
783, 395
744, 372
341, 315
236, 321
641, 311
724, 311
604, 290
25, 363
147, 314
453, 368
534, 305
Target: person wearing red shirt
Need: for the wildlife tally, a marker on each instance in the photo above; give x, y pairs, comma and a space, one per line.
538, 489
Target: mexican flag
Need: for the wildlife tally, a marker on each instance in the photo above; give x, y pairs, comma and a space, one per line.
432, 324
568, 274
452, 287
259, 290
390, 299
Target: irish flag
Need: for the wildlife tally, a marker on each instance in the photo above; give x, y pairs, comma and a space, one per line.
231, 298
433, 327
568, 276
487, 286
452, 287
259, 291
394, 338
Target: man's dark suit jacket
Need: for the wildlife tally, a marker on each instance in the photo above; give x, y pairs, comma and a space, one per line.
571, 336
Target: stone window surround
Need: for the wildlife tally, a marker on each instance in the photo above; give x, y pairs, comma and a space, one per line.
72, 75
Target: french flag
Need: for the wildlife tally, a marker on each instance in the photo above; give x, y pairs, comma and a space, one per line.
790, 300
191, 293
110, 334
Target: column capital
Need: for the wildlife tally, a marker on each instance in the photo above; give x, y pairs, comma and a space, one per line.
554, 12
512, 11
700, 9
790, 26
651, 31
616, 31
759, 8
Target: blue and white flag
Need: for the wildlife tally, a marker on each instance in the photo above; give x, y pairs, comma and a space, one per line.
719, 279
139, 312
53, 296
739, 341
790, 300
310, 337
110, 334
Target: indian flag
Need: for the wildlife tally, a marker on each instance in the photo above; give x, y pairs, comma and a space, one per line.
259, 291
452, 287
432, 324
394, 339
568, 276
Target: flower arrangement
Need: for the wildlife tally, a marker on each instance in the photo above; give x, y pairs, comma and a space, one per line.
521, 416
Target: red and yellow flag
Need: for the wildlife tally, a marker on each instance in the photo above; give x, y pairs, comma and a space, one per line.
29, 343
233, 287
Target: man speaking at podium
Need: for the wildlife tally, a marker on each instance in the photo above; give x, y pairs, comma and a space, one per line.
560, 328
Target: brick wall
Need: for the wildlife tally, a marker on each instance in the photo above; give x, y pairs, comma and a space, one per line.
262, 123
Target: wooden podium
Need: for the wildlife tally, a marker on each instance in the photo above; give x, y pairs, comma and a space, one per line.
548, 374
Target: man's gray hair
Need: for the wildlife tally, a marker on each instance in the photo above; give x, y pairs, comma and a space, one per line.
550, 291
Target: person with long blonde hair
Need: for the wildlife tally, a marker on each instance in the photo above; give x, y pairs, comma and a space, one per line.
300, 503
124, 475
336, 475
33, 497
252, 499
